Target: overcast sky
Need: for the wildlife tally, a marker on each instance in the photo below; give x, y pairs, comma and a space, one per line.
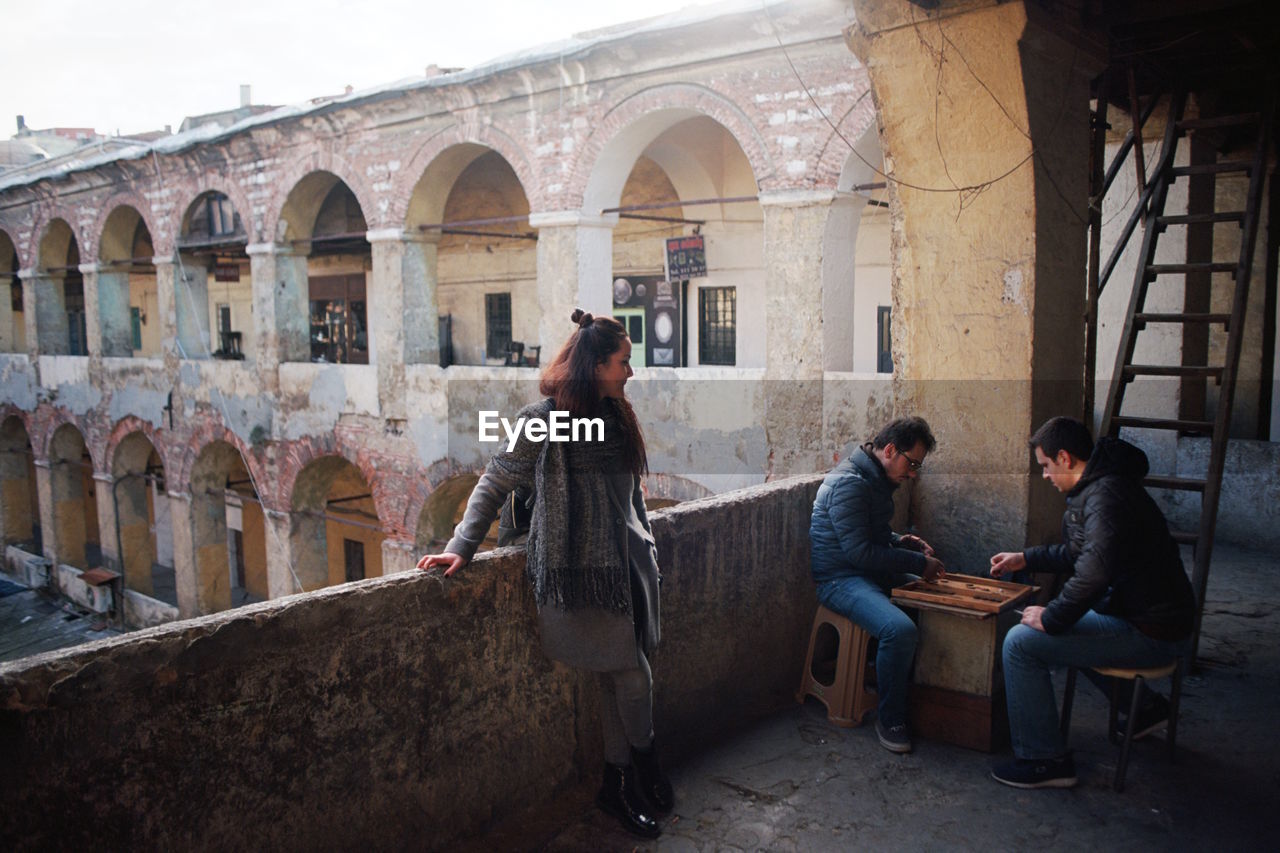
137, 65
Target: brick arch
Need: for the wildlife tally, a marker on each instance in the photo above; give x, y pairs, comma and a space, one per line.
835, 152
45, 217
425, 484
303, 452
318, 160
459, 134
675, 96
9, 230
213, 182
57, 420
207, 431
127, 426
123, 198
8, 410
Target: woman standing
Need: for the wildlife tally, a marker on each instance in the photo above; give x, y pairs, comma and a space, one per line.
591, 557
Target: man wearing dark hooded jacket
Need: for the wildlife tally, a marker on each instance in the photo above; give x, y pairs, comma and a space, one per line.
1127, 603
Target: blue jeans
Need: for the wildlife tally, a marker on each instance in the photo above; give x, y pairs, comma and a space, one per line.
866, 603
1096, 640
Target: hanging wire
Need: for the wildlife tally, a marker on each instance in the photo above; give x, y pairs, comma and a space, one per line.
967, 193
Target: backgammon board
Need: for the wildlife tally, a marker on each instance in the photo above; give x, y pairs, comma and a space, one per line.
964, 594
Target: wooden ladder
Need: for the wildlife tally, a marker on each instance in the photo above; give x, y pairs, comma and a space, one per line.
1138, 319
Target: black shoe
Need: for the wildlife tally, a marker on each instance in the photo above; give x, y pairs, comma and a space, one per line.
894, 738
1151, 718
651, 781
1037, 773
620, 797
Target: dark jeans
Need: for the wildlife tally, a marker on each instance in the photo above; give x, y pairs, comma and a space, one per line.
1029, 655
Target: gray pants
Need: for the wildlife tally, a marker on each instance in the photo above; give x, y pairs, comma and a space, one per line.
626, 710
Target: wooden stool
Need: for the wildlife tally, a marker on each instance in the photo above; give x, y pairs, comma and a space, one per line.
1139, 677
845, 694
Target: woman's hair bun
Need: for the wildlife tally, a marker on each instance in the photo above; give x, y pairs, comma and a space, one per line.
582, 318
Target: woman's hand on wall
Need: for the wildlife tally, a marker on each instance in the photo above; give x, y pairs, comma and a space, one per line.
452, 562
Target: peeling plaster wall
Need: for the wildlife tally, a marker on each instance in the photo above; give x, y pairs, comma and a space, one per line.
433, 710
17, 382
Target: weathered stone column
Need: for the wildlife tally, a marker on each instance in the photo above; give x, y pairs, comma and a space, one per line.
45, 311
839, 243
8, 337
399, 555
44, 507
30, 311
92, 327
989, 250
138, 546
402, 310
575, 270
106, 306
794, 225
190, 292
186, 572
104, 499
296, 560
280, 307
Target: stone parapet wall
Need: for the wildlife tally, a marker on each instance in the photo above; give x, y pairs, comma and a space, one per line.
401, 711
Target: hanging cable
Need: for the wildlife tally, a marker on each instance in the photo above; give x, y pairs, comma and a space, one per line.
966, 193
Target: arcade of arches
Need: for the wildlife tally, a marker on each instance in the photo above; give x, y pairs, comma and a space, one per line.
250, 366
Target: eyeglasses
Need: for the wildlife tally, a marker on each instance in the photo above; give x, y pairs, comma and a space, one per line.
912, 463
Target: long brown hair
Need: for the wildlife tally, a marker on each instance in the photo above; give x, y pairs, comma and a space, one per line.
570, 380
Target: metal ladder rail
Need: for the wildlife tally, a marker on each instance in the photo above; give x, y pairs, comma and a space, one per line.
1129, 336
1235, 336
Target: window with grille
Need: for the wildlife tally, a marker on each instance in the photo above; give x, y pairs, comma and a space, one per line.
717, 325
497, 324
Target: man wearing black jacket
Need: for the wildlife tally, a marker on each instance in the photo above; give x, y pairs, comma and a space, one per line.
1127, 603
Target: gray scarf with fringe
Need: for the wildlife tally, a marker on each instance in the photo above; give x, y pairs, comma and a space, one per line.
573, 559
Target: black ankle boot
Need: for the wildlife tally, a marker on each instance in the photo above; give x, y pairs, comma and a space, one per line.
620, 797
653, 783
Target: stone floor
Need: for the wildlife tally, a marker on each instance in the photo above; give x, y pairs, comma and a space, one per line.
795, 782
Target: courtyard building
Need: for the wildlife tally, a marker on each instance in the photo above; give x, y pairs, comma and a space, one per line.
242, 366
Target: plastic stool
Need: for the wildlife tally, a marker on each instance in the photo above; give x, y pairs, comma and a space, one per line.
846, 696
1139, 677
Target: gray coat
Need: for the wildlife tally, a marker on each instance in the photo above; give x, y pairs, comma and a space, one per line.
593, 638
